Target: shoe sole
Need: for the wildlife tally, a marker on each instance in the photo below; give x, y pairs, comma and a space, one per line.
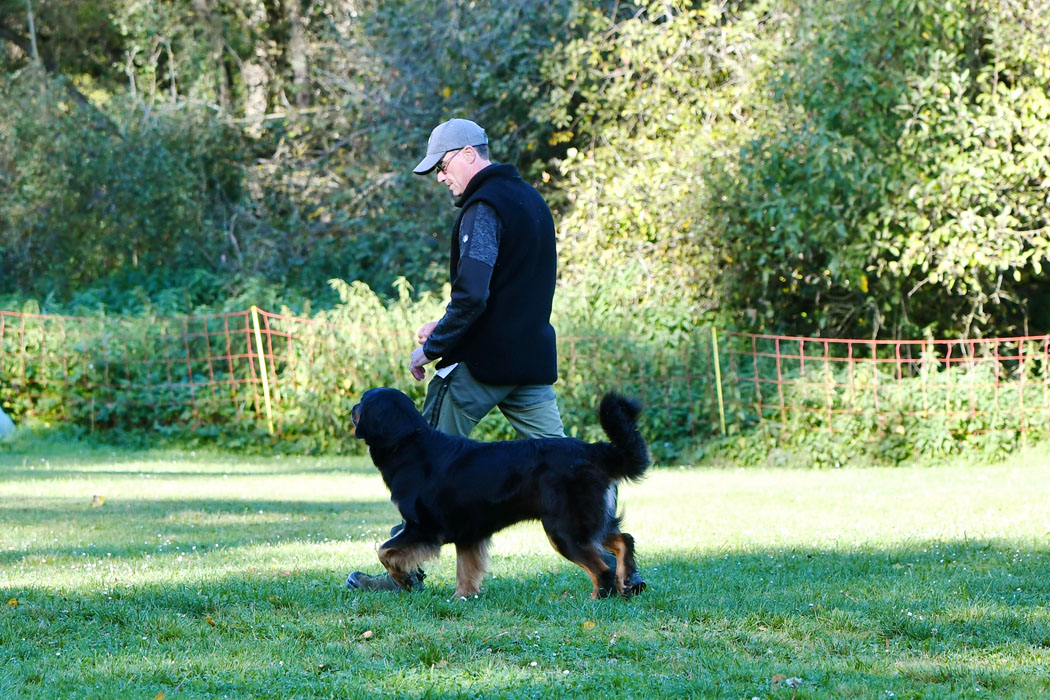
354, 585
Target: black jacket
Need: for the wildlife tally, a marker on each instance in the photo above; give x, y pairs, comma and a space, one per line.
512, 341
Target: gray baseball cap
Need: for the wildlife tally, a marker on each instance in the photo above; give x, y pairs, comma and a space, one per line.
450, 136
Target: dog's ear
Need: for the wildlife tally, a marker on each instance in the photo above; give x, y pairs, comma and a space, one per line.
387, 418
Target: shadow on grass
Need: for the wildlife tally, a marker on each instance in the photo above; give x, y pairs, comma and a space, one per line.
51, 473
132, 529
15, 467
943, 619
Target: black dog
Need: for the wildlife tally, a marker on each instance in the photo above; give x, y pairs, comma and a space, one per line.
452, 490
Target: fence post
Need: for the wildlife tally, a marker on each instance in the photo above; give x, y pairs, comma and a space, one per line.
262, 368
718, 379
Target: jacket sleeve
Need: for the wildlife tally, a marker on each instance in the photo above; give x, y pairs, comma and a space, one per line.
479, 238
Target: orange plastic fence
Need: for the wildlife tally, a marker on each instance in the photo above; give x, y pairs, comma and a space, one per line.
972, 386
205, 369
64, 365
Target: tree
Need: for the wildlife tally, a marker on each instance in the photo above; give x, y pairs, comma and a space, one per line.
897, 185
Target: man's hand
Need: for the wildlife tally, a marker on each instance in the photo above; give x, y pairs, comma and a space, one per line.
424, 331
419, 359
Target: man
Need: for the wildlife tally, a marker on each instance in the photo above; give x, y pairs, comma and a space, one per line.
495, 342
495, 345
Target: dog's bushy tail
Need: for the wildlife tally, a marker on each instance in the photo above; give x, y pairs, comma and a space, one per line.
619, 419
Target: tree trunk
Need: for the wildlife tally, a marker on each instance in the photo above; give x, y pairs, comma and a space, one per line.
297, 54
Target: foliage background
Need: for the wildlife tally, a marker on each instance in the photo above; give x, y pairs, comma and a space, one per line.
832, 167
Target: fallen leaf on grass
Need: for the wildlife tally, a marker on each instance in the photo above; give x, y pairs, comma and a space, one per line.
13, 602
159, 696
207, 618
588, 625
97, 501
367, 634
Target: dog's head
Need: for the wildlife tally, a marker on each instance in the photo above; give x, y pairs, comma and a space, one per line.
386, 418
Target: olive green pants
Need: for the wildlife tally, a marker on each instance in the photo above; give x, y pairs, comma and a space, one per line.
454, 405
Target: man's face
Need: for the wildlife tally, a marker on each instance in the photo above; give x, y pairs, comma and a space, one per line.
454, 171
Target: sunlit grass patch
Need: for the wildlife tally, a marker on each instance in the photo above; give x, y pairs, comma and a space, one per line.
210, 575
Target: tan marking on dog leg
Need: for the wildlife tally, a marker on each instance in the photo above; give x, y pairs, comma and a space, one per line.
622, 544
401, 562
587, 557
471, 564
592, 563
594, 582
615, 544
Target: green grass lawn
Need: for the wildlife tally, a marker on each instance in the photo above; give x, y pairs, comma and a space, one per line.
210, 575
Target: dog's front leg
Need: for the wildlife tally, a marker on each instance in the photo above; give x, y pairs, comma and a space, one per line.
402, 555
472, 561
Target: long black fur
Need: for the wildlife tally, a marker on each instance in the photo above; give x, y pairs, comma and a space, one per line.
453, 490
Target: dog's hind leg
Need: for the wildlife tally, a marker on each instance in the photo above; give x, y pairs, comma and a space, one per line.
472, 561
591, 561
402, 556
589, 558
622, 545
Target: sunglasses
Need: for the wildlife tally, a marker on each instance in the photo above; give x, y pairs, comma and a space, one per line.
443, 165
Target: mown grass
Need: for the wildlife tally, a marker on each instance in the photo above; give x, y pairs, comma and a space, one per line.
207, 575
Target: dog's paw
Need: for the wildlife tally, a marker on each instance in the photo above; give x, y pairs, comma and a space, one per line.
632, 591
634, 585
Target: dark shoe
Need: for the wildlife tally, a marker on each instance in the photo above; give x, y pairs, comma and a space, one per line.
384, 582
